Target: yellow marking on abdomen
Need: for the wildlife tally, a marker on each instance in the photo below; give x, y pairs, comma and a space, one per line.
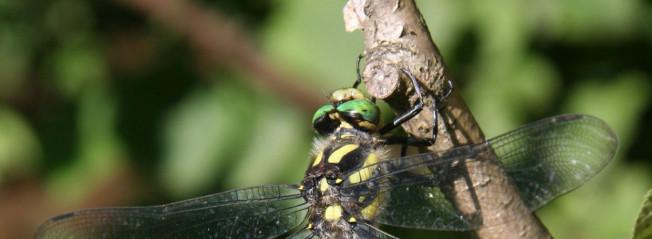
318, 158
365, 173
370, 211
323, 185
338, 154
333, 213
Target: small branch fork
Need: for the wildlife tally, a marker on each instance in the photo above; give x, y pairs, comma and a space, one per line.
396, 37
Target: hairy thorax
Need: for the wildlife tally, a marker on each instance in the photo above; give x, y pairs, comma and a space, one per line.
336, 211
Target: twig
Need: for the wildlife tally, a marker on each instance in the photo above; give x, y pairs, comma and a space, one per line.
396, 37
223, 42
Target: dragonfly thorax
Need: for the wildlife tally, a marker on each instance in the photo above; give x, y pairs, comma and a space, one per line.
336, 162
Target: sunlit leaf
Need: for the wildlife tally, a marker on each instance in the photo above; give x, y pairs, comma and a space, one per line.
308, 37
76, 64
619, 101
201, 133
277, 150
602, 208
570, 20
19, 148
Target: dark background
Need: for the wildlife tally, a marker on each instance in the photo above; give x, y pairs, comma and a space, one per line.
120, 103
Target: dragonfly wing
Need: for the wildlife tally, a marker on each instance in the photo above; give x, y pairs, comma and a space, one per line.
364, 230
555, 155
410, 187
545, 159
256, 212
303, 233
423, 207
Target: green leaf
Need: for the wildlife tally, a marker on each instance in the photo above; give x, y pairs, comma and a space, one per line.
643, 227
76, 64
277, 152
601, 208
19, 147
14, 58
201, 136
303, 37
99, 151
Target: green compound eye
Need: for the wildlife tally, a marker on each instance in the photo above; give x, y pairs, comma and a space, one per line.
322, 111
362, 110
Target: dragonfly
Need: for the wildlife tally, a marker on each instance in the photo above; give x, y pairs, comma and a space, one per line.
352, 186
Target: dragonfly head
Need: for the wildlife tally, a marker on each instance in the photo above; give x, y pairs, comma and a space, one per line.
347, 108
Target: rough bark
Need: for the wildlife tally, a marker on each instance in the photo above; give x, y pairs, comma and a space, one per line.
396, 37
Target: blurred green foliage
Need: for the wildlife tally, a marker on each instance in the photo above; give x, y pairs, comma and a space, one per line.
87, 87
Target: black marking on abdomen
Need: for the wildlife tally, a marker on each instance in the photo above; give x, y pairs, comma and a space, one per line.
62, 216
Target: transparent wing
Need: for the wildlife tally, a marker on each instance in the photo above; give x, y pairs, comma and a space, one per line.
545, 159
553, 156
256, 212
411, 190
304, 233
423, 207
364, 230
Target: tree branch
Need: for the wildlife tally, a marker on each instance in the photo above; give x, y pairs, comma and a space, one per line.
396, 37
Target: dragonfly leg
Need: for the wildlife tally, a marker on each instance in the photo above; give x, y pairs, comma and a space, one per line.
371, 196
358, 78
407, 141
410, 113
436, 107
